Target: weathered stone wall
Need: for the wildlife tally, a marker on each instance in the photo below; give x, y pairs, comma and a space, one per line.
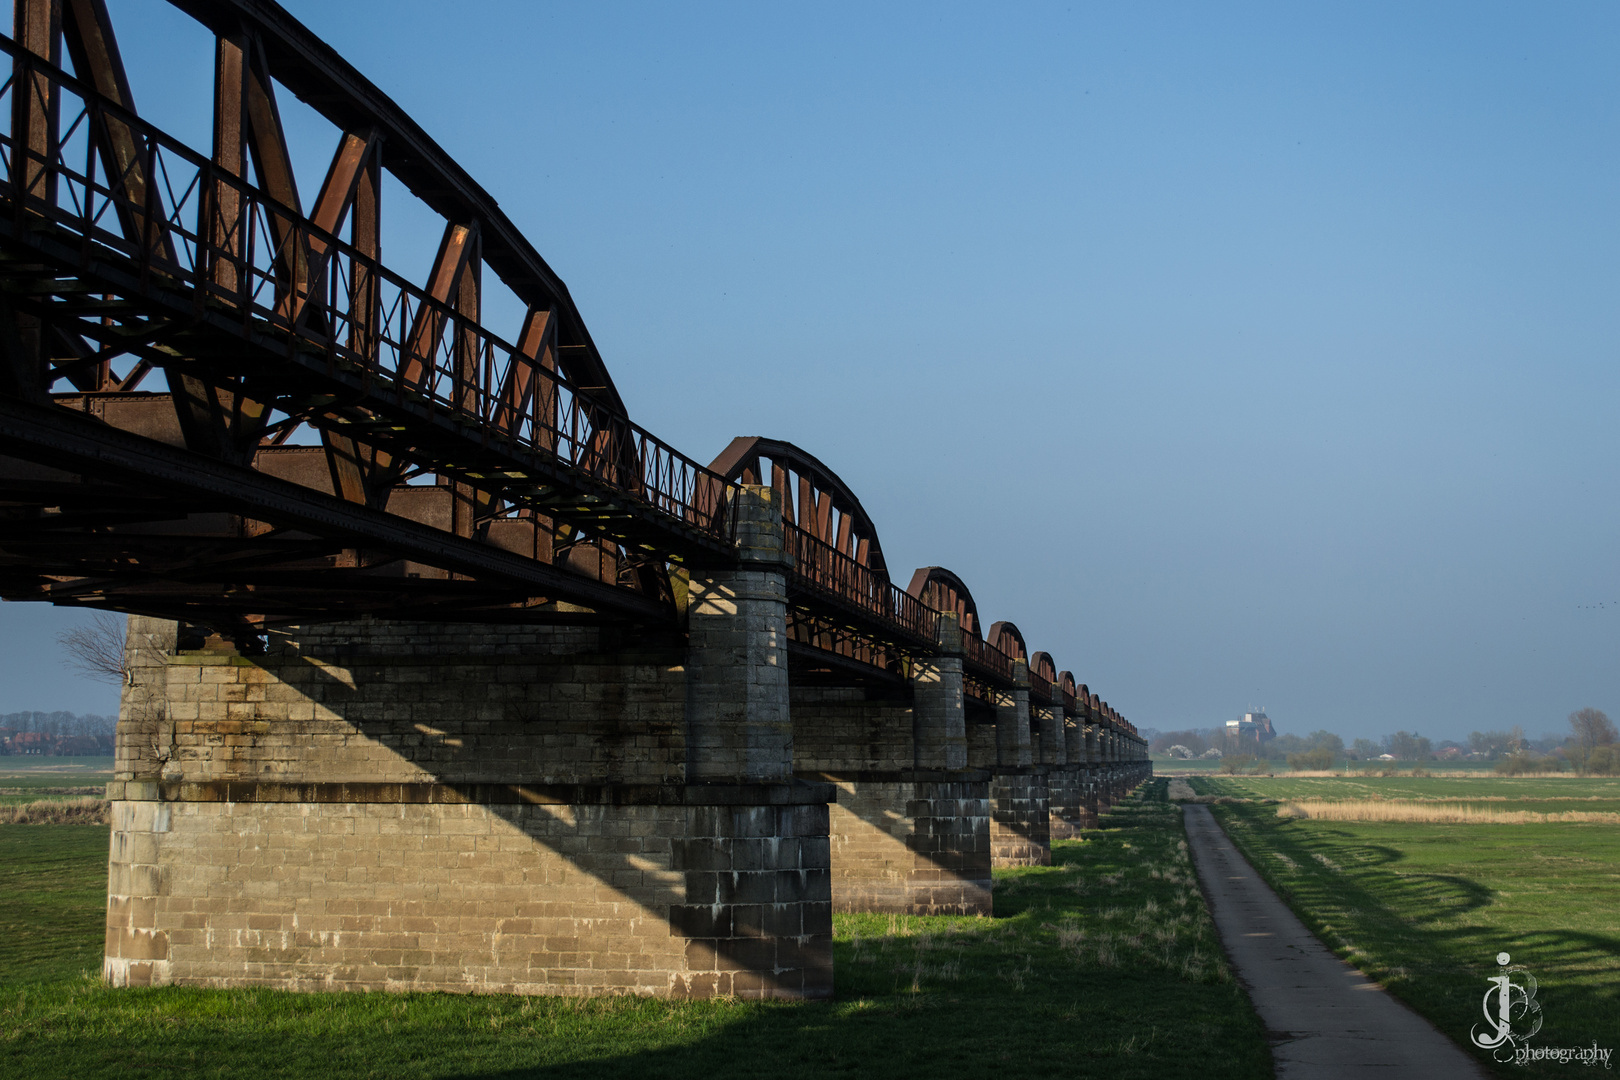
405, 886
463, 807
916, 845
838, 730
424, 703
1067, 802
981, 738
1020, 829
903, 840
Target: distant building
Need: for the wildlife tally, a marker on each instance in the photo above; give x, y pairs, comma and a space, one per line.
1255, 727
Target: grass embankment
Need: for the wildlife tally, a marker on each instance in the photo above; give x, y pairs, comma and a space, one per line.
1424, 907
1104, 964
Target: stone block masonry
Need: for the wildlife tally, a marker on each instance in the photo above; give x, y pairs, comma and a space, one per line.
509, 889
910, 831
911, 844
565, 809
528, 809
1066, 792
1020, 822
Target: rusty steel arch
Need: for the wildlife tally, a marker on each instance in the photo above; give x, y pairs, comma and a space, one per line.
1043, 679
944, 591
456, 472
319, 76
129, 252
1009, 639
841, 601
814, 499
985, 667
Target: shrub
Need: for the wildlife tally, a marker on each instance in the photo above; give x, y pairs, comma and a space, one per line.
1521, 762
1311, 760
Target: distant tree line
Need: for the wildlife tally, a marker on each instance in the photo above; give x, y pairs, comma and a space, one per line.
1592, 746
57, 734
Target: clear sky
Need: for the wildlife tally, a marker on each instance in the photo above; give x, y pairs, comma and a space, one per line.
1243, 354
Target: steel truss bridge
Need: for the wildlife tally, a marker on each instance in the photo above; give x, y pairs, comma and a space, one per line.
335, 440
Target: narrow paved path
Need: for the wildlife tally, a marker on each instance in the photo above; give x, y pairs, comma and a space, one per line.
1326, 1020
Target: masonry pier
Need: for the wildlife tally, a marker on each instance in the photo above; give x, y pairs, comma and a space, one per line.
376, 805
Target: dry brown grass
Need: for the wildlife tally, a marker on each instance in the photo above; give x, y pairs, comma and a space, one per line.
90, 811
98, 789
1407, 810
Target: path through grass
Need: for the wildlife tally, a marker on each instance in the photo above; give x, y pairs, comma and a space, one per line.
1425, 908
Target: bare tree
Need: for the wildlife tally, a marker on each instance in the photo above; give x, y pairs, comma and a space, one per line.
1592, 729
97, 650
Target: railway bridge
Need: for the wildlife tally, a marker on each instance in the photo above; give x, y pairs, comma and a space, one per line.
442, 672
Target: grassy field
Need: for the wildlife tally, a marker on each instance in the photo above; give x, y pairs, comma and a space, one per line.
1425, 908
25, 779
1543, 794
1104, 964
1164, 765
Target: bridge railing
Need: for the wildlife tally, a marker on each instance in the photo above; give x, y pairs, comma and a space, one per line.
982, 658
136, 197
1040, 686
823, 569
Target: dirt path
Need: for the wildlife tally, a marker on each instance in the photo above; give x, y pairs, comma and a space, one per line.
1326, 1020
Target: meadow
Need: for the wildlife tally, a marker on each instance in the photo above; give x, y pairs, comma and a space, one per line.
1104, 964
27, 779
1425, 906
1595, 792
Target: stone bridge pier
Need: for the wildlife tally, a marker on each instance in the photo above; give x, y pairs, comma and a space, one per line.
518, 809
910, 830
570, 809
1020, 800
1067, 779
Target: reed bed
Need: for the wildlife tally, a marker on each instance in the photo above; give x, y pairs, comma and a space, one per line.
1407, 810
88, 811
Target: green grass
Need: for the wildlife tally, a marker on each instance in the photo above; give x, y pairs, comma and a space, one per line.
1537, 793
55, 770
1425, 908
53, 901
1071, 978
25, 778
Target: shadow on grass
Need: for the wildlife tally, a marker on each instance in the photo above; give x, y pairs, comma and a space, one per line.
1102, 965
1428, 935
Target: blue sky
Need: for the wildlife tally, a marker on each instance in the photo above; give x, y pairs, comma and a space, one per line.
1243, 354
